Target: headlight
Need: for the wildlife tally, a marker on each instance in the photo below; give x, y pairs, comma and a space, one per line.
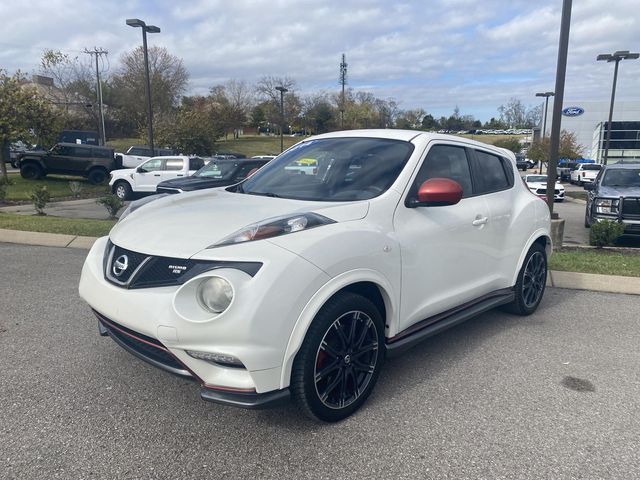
136, 204
274, 227
606, 205
215, 294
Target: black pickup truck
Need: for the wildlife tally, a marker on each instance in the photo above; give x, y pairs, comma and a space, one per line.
89, 161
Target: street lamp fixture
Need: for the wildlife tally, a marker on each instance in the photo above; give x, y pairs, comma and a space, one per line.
613, 57
544, 126
135, 22
282, 91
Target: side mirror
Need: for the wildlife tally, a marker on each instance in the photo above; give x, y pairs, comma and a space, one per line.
589, 186
141, 170
438, 192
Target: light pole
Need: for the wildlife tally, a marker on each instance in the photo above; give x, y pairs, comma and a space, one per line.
134, 22
282, 91
613, 57
544, 126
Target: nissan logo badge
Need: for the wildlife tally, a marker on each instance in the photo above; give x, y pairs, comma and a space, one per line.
120, 265
572, 111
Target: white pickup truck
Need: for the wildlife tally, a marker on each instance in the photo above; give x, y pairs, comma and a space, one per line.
144, 179
136, 154
585, 173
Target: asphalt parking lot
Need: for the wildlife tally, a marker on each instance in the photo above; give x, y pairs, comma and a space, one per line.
554, 395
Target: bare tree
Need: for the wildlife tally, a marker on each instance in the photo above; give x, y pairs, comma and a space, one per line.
168, 82
232, 103
513, 113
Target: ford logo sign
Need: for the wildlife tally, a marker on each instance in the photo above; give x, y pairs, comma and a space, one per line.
572, 111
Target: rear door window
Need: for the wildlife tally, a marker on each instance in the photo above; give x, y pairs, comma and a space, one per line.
196, 163
490, 173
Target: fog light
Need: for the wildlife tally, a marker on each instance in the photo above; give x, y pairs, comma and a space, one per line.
219, 358
215, 294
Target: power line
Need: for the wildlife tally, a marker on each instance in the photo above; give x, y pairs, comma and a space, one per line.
98, 54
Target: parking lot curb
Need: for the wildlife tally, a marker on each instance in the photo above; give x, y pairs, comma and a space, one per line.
594, 282
558, 279
46, 239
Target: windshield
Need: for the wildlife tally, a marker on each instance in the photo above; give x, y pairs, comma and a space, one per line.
217, 170
536, 178
622, 177
332, 169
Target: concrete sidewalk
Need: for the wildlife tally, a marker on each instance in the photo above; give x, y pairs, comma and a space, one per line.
571, 280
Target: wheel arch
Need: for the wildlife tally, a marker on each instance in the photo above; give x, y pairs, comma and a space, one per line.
367, 283
119, 180
541, 237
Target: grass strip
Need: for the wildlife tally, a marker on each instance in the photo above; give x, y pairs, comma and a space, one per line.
602, 262
48, 224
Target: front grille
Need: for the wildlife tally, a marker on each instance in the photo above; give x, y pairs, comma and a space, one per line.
144, 271
543, 191
631, 207
143, 346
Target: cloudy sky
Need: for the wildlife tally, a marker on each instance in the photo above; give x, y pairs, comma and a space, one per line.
433, 54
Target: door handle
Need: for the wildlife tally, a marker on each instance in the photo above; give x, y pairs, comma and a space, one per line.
479, 221
156, 174
180, 175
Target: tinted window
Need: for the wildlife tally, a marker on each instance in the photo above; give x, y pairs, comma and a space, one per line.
152, 165
174, 164
444, 161
490, 174
139, 151
63, 150
196, 163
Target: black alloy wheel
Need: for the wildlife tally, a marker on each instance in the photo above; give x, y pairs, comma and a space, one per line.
340, 359
531, 282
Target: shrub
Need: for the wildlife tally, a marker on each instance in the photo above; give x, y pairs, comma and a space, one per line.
40, 196
112, 203
76, 188
605, 232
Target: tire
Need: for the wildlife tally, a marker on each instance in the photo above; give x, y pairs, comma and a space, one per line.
532, 279
122, 190
346, 342
31, 171
97, 176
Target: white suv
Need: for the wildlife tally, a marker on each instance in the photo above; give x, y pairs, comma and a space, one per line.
300, 285
145, 178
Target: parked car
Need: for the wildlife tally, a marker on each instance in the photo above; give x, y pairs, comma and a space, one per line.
537, 184
615, 195
217, 173
89, 161
565, 166
522, 163
144, 179
585, 173
137, 154
299, 286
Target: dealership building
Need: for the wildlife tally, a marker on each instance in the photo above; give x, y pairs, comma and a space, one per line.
588, 121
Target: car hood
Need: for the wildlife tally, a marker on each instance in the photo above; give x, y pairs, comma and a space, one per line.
122, 172
183, 225
195, 183
613, 191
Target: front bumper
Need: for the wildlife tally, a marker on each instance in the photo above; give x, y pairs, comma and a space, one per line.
254, 329
153, 352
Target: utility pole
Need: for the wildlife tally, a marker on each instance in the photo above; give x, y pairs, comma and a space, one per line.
98, 53
343, 81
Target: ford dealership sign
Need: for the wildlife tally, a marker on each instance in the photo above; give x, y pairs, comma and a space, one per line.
572, 111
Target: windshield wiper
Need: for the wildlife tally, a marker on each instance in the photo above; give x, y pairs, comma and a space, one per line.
264, 194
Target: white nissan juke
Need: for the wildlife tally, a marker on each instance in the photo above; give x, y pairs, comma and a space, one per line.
299, 283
